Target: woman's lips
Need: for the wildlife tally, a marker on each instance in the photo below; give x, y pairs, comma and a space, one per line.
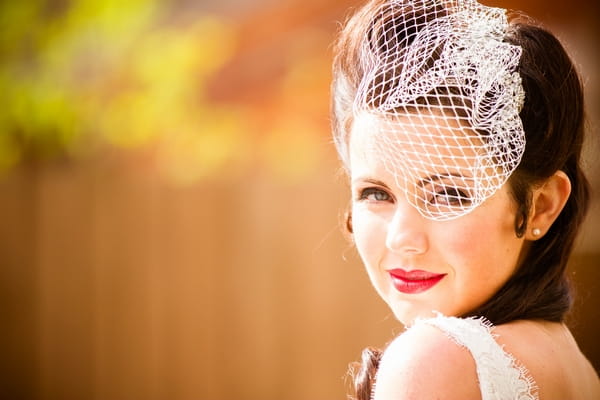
415, 281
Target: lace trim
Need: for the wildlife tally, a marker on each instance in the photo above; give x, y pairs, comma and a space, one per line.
500, 375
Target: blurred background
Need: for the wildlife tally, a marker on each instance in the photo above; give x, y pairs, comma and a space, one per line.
170, 201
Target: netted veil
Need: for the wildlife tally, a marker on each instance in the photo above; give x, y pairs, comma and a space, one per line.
440, 95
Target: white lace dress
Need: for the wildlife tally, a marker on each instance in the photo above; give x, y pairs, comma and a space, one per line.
500, 376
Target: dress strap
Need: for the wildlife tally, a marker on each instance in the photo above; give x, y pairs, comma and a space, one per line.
500, 376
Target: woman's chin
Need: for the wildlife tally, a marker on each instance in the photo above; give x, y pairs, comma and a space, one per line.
407, 316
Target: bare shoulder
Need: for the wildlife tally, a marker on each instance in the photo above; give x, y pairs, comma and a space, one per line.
555, 363
424, 363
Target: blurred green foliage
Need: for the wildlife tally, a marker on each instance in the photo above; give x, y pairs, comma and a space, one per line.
75, 74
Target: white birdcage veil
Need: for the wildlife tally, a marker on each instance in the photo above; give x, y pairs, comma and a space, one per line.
442, 89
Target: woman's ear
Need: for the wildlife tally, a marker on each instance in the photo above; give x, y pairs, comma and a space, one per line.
547, 202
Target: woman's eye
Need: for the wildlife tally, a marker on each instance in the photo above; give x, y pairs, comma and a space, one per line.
374, 194
450, 196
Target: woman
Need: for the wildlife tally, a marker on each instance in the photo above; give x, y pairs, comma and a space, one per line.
461, 134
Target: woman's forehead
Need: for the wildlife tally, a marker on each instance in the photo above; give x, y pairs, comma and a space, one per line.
416, 137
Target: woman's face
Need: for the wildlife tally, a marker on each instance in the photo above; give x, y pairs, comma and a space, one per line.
419, 265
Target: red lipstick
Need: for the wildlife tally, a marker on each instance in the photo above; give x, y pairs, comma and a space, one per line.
415, 281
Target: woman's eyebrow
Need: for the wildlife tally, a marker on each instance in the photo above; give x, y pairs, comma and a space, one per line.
370, 180
439, 177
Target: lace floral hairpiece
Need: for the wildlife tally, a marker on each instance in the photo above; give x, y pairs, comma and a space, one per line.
443, 95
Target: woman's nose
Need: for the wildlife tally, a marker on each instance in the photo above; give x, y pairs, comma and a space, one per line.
406, 231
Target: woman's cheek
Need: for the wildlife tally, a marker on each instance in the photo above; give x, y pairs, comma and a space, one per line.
369, 233
465, 242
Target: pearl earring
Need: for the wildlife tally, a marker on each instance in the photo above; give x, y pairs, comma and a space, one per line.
536, 232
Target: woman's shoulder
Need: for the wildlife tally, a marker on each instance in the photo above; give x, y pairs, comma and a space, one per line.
449, 357
458, 358
555, 362
425, 362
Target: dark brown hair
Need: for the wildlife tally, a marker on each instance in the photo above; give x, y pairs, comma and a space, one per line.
553, 120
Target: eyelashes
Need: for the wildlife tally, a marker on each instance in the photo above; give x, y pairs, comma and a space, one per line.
433, 195
447, 195
374, 194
